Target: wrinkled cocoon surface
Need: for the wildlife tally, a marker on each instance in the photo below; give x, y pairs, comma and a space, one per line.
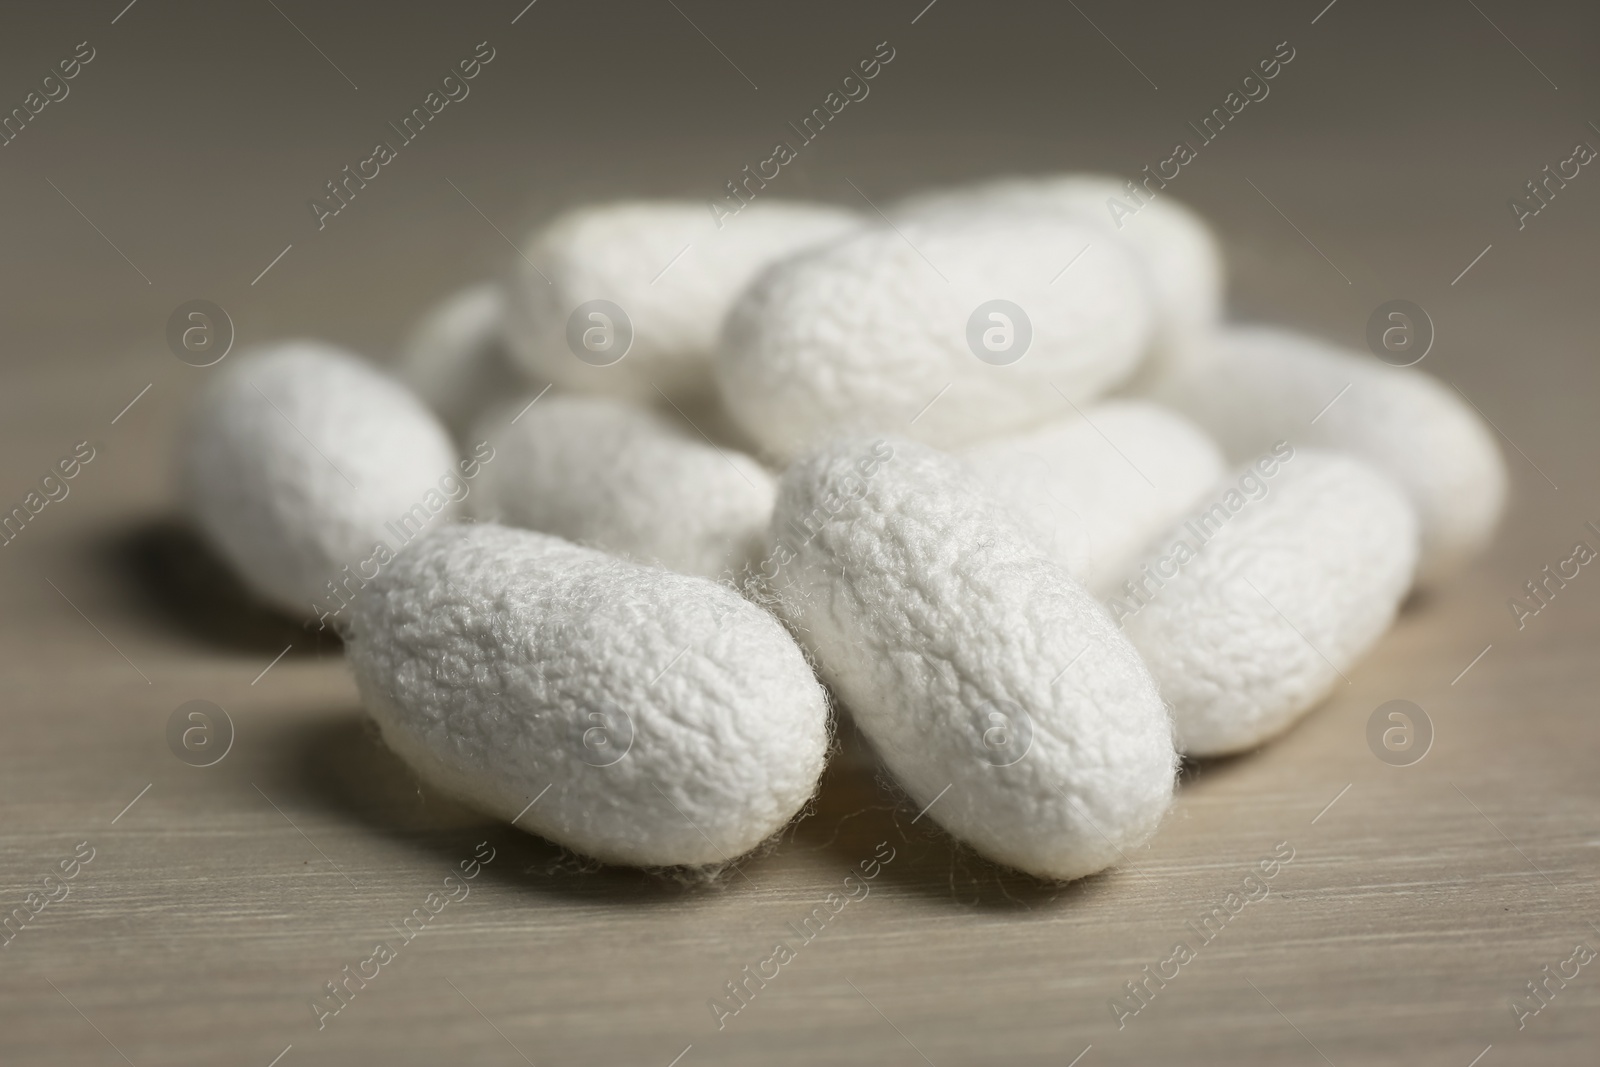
621, 478
1092, 491
297, 457
1285, 577
1179, 254
1268, 384
969, 659
670, 269
672, 721
456, 361
865, 333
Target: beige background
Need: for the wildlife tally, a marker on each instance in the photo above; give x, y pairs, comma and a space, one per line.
217, 905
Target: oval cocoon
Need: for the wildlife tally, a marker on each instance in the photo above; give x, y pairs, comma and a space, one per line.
1268, 384
671, 721
671, 270
1249, 611
298, 459
624, 479
874, 331
456, 361
996, 690
1093, 490
1180, 257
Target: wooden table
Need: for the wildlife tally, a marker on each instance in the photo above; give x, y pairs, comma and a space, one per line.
218, 901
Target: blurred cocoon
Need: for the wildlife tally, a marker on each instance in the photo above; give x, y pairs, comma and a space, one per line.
1250, 610
669, 268
1093, 490
1179, 255
301, 461
1267, 384
900, 330
625, 479
626, 712
456, 361
996, 690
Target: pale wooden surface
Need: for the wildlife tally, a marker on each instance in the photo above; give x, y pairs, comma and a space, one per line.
217, 905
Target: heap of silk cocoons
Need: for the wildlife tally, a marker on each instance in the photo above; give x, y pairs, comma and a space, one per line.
302, 460
996, 521
632, 714
618, 477
1094, 489
1181, 262
456, 360
873, 331
1267, 384
670, 270
1250, 611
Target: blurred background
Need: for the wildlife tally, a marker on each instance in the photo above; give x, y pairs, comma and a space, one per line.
179, 166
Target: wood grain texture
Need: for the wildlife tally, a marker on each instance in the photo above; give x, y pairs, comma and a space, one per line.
1419, 900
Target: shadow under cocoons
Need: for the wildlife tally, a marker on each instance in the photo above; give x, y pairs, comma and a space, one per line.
173, 576
1418, 602
339, 762
342, 764
857, 806
1195, 768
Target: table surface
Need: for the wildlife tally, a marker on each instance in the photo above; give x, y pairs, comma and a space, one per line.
1419, 901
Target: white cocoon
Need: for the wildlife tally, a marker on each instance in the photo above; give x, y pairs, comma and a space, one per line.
1268, 384
456, 359
873, 332
297, 456
1248, 610
625, 479
629, 713
996, 690
668, 266
1180, 256
1094, 489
